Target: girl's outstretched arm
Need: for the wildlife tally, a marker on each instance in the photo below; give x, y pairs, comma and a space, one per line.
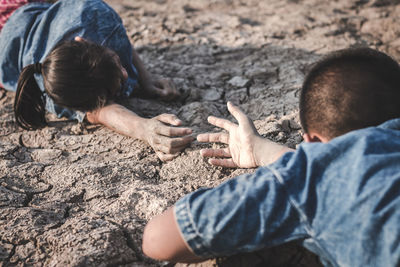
159, 132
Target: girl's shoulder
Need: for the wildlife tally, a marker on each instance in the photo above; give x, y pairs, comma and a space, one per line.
84, 16
35, 29
8, 7
90, 8
63, 11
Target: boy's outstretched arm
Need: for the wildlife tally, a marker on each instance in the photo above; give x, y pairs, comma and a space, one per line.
163, 241
247, 149
159, 132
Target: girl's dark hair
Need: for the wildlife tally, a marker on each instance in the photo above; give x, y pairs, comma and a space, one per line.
77, 75
348, 90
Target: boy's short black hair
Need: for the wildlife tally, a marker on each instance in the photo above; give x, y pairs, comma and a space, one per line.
350, 89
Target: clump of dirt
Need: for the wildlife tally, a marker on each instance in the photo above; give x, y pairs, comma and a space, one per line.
79, 195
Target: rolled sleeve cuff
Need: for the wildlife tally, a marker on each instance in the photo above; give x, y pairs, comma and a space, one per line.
188, 229
129, 87
63, 112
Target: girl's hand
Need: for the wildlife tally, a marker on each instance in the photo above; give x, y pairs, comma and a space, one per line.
159, 132
161, 88
167, 141
165, 89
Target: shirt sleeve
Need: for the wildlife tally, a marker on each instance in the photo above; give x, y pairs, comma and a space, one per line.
62, 112
244, 214
119, 42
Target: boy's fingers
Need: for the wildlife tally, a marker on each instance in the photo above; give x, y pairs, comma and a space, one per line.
214, 137
238, 114
203, 137
222, 123
215, 153
169, 119
172, 131
227, 163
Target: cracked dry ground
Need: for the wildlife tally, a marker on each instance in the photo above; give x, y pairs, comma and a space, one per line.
79, 195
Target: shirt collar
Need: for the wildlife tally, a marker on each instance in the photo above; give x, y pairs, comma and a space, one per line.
391, 124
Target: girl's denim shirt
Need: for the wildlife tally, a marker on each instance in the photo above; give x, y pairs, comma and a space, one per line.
34, 29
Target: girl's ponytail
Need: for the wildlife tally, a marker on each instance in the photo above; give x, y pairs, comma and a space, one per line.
29, 103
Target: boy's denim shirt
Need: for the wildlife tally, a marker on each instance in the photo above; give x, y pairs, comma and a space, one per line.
34, 29
341, 200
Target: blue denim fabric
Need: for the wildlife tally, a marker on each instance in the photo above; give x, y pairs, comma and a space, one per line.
340, 200
34, 29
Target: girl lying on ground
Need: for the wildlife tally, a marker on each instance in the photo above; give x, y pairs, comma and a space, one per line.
73, 58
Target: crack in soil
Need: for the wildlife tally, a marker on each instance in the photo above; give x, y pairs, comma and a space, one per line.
129, 240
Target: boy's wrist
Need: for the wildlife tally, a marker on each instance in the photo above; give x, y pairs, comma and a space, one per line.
267, 152
258, 151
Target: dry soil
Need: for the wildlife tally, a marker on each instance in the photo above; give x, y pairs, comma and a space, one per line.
79, 195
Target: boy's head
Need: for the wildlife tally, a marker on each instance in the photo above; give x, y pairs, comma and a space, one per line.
348, 90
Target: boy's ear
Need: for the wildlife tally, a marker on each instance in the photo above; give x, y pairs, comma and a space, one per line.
311, 138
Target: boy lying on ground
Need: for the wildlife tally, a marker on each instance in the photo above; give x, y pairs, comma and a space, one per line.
337, 194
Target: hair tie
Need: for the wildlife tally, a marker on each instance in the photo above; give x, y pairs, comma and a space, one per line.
37, 68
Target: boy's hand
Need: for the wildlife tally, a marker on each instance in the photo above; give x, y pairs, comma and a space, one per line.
241, 139
167, 141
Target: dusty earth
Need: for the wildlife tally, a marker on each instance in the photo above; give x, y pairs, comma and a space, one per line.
79, 195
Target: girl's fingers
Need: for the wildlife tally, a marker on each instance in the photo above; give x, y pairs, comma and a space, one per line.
160, 92
168, 150
171, 145
166, 157
178, 142
169, 85
169, 119
166, 89
172, 131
